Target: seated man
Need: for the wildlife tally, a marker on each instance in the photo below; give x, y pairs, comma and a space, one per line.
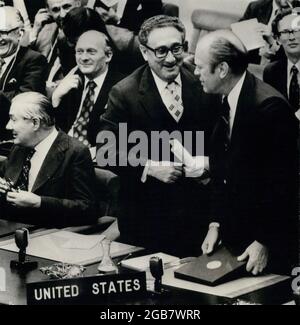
81, 97
21, 69
48, 179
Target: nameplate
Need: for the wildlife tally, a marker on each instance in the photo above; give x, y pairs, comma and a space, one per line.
86, 290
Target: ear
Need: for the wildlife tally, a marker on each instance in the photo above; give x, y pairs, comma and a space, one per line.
223, 68
144, 52
36, 124
108, 54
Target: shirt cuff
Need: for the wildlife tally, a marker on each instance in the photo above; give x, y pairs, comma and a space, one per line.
145, 172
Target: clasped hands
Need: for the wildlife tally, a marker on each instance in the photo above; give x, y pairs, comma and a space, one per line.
256, 253
20, 199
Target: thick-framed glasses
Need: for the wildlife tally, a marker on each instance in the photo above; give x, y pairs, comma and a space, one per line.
163, 51
285, 34
6, 33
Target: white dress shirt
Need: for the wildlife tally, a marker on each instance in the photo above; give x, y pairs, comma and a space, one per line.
41, 151
233, 98
99, 83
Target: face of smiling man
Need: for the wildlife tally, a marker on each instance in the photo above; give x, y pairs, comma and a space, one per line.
167, 68
10, 31
92, 54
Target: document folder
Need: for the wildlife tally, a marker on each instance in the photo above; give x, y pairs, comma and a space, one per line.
213, 269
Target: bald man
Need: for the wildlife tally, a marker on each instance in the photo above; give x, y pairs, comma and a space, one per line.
21, 69
253, 160
91, 83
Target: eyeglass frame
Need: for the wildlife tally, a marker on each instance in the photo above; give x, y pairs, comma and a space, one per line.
5, 33
183, 47
287, 32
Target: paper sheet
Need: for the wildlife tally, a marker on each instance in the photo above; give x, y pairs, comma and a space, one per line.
69, 247
231, 289
247, 32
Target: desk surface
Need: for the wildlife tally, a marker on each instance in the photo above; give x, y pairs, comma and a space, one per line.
15, 293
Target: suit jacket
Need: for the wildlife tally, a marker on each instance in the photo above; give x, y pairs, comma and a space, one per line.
254, 186
65, 183
168, 217
275, 74
261, 9
25, 73
69, 107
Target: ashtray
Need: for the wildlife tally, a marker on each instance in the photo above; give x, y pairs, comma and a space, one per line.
63, 271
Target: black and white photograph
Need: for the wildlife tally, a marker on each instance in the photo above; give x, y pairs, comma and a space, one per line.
149, 155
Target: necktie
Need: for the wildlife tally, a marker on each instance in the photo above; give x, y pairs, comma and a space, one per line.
2, 62
294, 89
174, 101
224, 123
22, 182
80, 125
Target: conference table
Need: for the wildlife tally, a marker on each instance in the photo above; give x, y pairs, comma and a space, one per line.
15, 293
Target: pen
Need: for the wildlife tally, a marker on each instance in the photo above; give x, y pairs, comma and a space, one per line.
123, 259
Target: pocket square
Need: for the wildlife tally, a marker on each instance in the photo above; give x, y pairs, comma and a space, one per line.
12, 81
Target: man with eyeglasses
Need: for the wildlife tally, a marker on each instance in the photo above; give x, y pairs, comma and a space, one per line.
21, 69
284, 74
162, 208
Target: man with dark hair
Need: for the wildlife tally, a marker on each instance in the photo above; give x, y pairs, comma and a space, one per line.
48, 179
21, 69
283, 74
162, 208
253, 160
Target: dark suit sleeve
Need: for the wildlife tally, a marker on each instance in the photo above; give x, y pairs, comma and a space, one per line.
79, 206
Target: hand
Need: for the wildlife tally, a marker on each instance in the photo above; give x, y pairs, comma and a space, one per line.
3, 186
41, 18
23, 199
71, 81
200, 164
109, 16
266, 52
258, 257
165, 171
210, 240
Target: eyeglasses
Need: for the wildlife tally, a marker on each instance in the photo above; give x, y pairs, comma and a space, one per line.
163, 51
285, 34
5, 33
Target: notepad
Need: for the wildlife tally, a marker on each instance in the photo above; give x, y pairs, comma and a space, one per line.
142, 263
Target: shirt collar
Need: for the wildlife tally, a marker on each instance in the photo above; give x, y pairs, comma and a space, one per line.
234, 95
45, 144
290, 64
98, 80
161, 84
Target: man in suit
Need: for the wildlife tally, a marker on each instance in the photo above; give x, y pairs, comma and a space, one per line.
93, 55
51, 174
253, 160
265, 11
161, 207
283, 74
21, 69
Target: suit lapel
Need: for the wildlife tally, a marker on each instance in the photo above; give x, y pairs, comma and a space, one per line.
282, 81
52, 161
149, 96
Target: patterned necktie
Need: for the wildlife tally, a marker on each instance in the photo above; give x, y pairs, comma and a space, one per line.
294, 89
224, 123
23, 180
80, 125
174, 101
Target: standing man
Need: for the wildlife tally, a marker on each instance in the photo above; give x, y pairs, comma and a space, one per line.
21, 69
253, 160
86, 91
53, 172
161, 208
